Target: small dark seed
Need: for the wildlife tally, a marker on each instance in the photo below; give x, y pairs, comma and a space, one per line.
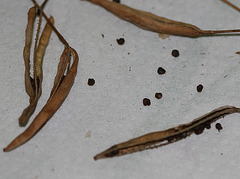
102, 35
208, 125
146, 102
91, 81
170, 139
161, 71
175, 53
218, 127
120, 41
199, 130
117, 1
158, 95
199, 88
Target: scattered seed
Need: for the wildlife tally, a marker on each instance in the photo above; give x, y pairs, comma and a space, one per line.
161, 71
199, 88
146, 102
121, 41
102, 35
175, 53
158, 95
91, 81
218, 127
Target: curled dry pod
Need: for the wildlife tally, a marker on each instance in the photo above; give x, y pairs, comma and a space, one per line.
54, 102
64, 79
33, 85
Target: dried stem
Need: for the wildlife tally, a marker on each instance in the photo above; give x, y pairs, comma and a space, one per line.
232, 5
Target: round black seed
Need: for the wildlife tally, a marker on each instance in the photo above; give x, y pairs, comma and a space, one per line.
161, 71
199, 88
146, 102
91, 81
175, 53
117, 1
121, 41
158, 95
218, 127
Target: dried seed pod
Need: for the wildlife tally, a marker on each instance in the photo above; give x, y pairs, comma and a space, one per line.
62, 84
155, 23
26, 51
161, 138
44, 39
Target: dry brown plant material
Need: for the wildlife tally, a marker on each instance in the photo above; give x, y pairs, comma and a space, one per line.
162, 138
155, 23
33, 85
232, 5
64, 79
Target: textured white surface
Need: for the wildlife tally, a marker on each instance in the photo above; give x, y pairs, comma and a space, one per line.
111, 111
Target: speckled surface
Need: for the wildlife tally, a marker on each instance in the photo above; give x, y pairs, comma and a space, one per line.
93, 118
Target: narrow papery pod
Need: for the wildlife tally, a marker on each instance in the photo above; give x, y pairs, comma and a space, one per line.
54, 102
34, 86
161, 138
149, 21
26, 51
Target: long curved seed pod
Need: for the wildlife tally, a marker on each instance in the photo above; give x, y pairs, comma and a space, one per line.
44, 39
26, 50
33, 85
36, 82
55, 101
161, 138
62, 85
155, 23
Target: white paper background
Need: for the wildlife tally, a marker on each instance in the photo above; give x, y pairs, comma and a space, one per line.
111, 110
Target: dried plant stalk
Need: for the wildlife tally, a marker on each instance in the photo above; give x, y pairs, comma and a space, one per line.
63, 82
232, 5
155, 23
161, 138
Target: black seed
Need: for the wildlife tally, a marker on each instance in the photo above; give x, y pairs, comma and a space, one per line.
161, 71
170, 139
158, 95
117, 1
218, 127
120, 41
91, 81
102, 35
199, 88
199, 130
175, 53
146, 102
207, 125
